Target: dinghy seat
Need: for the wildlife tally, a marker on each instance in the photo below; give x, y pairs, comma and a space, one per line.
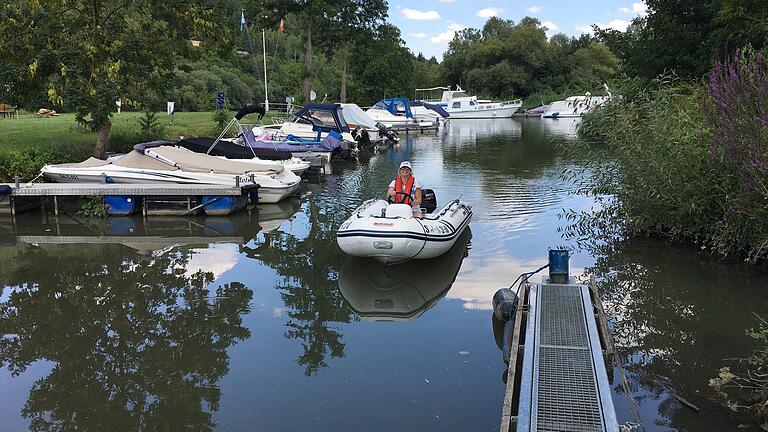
374, 209
399, 210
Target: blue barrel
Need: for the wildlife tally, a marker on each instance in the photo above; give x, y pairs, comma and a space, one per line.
558, 266
120, 205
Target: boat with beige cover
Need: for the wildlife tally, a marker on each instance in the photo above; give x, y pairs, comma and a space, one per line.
168, 164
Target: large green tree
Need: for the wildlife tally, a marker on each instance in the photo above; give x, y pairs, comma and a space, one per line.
687, 35
505, 59
89, 53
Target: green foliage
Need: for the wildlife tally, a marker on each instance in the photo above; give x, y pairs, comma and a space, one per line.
221, 118
685, 36
111, 49
663, 180
505, 60
150, 124
27, 163
93, 207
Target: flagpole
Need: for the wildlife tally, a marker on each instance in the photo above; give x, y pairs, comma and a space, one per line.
264, 51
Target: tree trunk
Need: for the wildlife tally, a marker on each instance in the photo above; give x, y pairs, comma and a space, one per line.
307, 61
345, 60
101, 140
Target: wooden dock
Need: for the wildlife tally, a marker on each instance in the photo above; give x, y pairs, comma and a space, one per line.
181, 198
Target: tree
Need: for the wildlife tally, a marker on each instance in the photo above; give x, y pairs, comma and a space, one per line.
90, 53
350, 21
687, 35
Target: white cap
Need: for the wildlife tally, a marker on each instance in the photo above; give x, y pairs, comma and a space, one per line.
406, 164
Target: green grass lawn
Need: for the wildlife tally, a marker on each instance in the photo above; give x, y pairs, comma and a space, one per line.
29, 142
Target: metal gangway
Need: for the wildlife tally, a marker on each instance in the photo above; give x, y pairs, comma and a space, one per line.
557, 379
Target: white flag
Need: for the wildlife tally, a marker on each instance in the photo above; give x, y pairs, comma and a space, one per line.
170, 107
242, 20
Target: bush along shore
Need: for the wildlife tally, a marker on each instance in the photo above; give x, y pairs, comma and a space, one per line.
688, 162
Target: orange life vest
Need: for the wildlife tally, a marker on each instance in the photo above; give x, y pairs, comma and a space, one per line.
399, 197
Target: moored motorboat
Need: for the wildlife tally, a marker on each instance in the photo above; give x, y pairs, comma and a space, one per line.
462, 106
390, 233
167, 164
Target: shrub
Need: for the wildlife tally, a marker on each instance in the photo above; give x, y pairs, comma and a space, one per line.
660, 175
27, 163
738, 113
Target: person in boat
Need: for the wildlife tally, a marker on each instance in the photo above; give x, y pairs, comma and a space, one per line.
405, 189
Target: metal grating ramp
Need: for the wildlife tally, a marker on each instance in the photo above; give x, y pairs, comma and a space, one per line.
564, 384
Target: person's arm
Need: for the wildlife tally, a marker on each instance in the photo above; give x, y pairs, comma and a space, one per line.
417, 201
390, 192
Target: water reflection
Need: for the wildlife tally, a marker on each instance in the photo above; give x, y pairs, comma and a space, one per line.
403, 292
135, 343
306, 261
677, 315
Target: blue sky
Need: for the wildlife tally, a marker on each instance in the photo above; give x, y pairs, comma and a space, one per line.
428, 25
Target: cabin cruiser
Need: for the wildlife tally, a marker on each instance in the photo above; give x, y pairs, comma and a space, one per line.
169, 164
378, 292
390, 233
462, 106
576, 106
401, 113
312, 122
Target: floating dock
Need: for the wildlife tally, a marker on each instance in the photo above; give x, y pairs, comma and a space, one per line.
557, 378
121, 199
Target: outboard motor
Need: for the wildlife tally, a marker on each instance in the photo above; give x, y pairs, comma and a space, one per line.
385, 131
428, 200
362, 138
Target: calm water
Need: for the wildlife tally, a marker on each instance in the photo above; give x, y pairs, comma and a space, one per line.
259, 322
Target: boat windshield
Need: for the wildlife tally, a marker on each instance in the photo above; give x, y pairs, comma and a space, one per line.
316, 117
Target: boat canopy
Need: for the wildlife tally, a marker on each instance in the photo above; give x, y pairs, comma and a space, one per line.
322, 117
396, 106
354, 115
436, 108
231, 150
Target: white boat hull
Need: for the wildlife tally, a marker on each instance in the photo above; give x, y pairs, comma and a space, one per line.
271, 189
484, 113
398, 237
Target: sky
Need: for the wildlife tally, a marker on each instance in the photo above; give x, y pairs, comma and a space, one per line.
428, 25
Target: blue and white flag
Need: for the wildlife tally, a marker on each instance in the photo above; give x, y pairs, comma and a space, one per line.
242, 20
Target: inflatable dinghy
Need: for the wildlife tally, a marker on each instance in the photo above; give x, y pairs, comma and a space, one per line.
390, 233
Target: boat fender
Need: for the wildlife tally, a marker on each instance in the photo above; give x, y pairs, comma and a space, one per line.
506, 346
504, 304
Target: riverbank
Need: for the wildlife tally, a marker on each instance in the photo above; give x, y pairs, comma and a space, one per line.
29, 142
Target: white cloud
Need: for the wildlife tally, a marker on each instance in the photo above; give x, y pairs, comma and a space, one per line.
443, 38
550, 25
455, 27
617, 24
534, 9
418, 15
418, 35
638, 9
489, 12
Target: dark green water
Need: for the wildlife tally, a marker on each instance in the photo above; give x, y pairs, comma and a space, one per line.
259, 322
